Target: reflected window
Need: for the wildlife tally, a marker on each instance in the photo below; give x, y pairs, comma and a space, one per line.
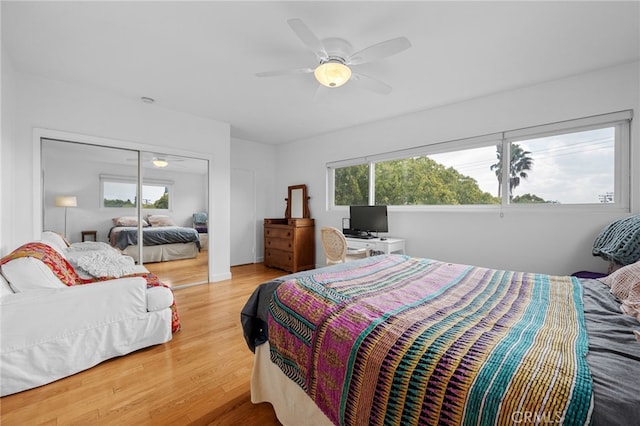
122, 192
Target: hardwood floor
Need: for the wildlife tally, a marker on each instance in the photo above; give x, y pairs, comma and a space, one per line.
182, 272
200, 377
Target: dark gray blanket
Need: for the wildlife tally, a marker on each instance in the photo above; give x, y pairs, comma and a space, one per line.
614, 357
122, 237
614, 353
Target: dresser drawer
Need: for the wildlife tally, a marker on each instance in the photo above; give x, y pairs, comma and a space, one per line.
278, 233
278, 258
279, 243
289, 244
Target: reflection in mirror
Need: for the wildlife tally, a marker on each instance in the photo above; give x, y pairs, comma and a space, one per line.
296, 203
176, 208
104, 181
75, 169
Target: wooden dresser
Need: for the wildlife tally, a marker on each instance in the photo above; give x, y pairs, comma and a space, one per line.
290, 244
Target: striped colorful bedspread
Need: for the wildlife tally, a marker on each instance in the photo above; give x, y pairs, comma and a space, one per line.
405, 341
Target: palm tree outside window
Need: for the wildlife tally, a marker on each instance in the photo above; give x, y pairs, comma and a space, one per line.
519, 165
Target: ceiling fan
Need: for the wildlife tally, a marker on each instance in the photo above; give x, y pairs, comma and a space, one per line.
336, 56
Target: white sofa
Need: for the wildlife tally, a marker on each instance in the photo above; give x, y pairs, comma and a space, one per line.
50, 330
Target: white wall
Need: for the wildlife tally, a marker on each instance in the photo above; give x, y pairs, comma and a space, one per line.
7, 178
48, 104
261, 160
556, 243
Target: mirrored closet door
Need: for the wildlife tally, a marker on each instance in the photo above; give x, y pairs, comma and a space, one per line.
90, 193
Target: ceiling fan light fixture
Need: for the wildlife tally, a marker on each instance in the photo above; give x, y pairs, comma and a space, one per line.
159, 162
332, 73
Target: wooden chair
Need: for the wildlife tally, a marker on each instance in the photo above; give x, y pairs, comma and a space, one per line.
335, 246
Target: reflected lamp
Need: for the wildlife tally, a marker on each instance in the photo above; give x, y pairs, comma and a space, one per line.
66, 201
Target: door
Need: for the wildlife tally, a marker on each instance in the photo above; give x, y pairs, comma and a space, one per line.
243, 217
103, 182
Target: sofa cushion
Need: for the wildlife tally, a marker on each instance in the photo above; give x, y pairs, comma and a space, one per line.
28, 273
158, 298
55, 240
4, 286
44, 260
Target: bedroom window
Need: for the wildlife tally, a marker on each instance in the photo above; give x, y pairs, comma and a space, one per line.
563, 168
121, 192
577, 162
352, 185
449, 178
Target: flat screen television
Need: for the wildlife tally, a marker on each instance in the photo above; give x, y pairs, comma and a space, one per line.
365, 220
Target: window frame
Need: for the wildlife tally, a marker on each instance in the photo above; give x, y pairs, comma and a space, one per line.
622, 164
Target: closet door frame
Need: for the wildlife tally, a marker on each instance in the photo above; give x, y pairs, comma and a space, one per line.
38, 178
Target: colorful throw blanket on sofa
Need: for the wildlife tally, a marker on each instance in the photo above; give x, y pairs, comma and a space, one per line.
65, 272
415, 341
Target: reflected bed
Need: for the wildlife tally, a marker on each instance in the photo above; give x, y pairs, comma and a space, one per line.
161, 244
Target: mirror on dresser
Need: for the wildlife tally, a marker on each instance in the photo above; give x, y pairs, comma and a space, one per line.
297, 202
289, 242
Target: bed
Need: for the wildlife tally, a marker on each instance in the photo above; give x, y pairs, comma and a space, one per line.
398, 340
163, 240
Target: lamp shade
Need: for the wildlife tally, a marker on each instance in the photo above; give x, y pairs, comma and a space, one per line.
66, 201
332, 74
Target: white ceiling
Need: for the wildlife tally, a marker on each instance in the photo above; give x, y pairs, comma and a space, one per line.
201, 57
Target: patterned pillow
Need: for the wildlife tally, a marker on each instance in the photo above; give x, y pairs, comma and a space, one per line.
623, 280
625, 285
631, 305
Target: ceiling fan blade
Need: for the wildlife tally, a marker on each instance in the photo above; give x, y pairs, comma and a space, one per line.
371, 83
380, 50
321, 93
284, 72
308, 38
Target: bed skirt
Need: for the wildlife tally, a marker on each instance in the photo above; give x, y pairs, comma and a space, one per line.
163, 253
292, 405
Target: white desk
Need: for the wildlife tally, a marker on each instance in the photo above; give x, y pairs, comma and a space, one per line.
387, 246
